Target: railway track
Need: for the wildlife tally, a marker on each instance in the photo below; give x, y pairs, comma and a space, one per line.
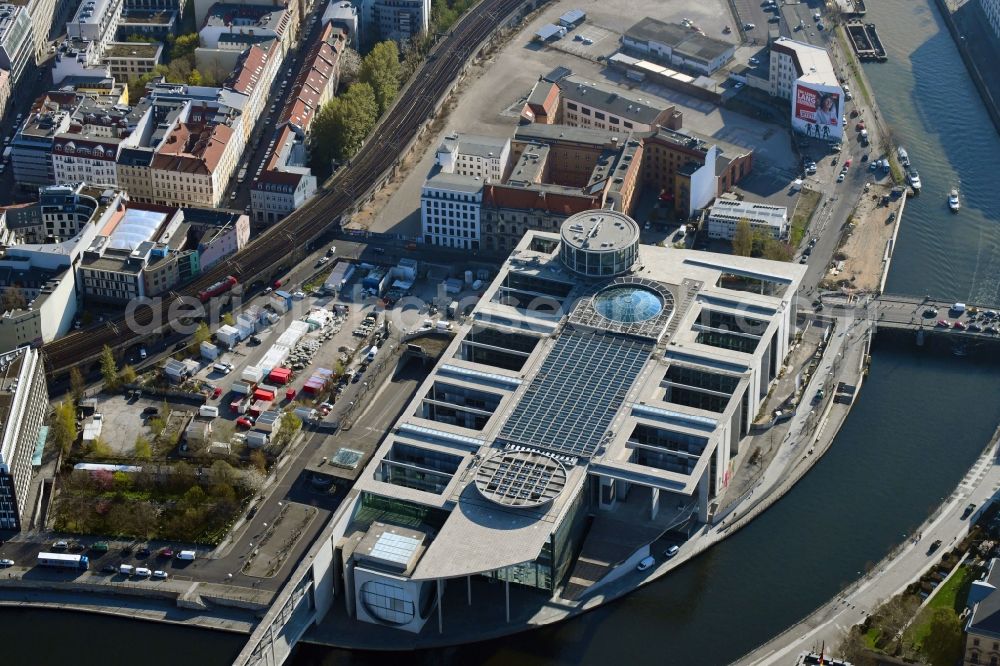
278, 244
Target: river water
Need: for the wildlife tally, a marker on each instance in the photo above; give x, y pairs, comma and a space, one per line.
919, 424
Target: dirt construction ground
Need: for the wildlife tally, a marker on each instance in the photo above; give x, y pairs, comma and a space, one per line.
872, 228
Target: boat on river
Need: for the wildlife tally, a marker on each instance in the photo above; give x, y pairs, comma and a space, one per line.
953, 201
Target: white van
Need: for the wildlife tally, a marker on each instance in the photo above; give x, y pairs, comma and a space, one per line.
371, 353
209, 411
958, 307
126, 569
144, 572
223, 368
186, 555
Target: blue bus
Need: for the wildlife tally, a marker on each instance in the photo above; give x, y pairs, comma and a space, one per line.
63, 561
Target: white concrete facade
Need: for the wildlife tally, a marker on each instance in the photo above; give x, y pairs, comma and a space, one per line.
450, 206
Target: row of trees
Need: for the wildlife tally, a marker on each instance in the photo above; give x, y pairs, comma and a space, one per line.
340, 127
747, 243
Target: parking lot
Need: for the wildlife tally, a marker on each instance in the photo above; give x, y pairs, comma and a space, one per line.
588, 41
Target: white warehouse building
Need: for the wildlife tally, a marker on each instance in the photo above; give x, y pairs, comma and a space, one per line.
725, 214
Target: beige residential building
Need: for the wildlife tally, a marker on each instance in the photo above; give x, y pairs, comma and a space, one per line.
194, 164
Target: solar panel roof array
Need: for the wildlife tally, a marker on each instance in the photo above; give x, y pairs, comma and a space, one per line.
520, 478
581, 384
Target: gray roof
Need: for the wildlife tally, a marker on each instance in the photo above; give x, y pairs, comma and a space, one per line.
455, 182
474, 144
700, 47
653, 30
546, 133
986, 615
624, 105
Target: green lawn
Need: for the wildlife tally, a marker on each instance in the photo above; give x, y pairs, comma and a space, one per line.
951, 595
872, 636
804, 210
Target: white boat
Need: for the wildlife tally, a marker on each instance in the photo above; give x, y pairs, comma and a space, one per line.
904, 158
953, 203
914, 179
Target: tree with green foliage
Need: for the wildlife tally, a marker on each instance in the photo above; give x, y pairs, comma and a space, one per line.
194, 497
381, 70
223, 472
290, 424
62, 427
195, 78
183, 46
143, 448
128, 375
342, 124
77, 385
775, 250
100, 449
109, 368
943, 644
258, 460
743, 238
202, 333
227, 319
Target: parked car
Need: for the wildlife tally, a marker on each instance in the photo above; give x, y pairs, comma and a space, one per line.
60, 545
670, 552
160, 575
968, 510
166, 552
645, 563
142, 552
151, 411
5, 563
943, 323
244, 422
934, 546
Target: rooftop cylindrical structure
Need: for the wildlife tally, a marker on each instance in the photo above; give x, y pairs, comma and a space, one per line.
599, 243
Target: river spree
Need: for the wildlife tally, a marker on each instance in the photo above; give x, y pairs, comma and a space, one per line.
919, 424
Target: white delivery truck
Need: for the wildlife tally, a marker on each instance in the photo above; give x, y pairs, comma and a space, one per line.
372, 352
186, 555
210, 411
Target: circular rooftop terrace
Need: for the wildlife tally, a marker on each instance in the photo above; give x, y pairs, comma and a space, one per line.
520, 478
599, 243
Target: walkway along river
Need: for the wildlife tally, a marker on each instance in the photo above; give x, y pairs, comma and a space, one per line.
920, 422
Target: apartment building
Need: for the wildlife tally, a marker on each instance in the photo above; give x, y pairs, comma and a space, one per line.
317, 80
157, 24
791, 60
294, 8
450, 208
726, 214
17, 42
253, 77
399, 20
473, 155
43, 15
96, 21
194, 165
78, 58
88, 151
225, 21
287, 181
128, 60
24, 401
344, 15
216, 234
31, 156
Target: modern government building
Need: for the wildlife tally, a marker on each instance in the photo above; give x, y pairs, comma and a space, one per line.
593, 401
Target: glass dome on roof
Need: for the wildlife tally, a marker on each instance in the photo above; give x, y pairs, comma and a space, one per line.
628, 304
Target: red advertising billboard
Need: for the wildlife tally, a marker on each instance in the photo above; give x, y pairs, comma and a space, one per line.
817, 111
